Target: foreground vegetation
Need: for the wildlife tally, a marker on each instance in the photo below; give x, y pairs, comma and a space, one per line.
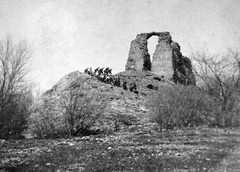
181, 135
141, 149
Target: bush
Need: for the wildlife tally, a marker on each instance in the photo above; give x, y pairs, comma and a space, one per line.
76, 113
230, 118
82, 110
44, 121
13, 119
183, 106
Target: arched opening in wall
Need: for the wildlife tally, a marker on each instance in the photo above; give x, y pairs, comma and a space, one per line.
152, 43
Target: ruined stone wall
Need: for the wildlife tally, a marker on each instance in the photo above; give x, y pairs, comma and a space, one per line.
139, 58
167, 59
162, 57
182, 65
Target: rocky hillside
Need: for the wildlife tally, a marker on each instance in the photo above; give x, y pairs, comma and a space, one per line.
121, 103
128, 100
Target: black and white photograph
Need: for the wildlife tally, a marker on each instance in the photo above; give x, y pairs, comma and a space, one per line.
119, 85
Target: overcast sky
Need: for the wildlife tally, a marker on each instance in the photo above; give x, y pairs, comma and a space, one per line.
69, 35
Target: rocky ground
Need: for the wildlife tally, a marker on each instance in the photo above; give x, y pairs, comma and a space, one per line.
136, 148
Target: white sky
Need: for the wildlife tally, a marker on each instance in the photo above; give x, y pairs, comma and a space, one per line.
69, 35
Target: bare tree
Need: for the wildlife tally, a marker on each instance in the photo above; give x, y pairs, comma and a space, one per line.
219, 76
235, 55
13, 88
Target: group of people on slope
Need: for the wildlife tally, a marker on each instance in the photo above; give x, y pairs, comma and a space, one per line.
105, 75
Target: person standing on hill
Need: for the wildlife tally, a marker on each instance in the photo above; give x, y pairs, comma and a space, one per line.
125, 86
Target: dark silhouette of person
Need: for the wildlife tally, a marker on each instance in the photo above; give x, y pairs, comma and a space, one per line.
107, 79
90, 72
125, 85
86, 70
117, 82
110, 79
100, 71
133, 87
96, 70
106, 71
110, 71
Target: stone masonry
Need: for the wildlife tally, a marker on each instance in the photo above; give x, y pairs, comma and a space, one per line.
167, 60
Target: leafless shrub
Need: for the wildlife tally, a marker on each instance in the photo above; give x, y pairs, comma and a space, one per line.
82, 110
182, 106
76, 113
43, 121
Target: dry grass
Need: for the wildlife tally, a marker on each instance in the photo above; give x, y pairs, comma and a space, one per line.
143, 149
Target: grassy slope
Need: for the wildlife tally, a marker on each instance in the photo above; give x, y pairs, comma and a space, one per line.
143, 149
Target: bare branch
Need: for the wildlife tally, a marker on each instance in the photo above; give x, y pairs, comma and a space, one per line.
13, 60
218, 74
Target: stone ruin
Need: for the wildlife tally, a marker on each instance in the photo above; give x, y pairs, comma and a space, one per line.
167, 60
